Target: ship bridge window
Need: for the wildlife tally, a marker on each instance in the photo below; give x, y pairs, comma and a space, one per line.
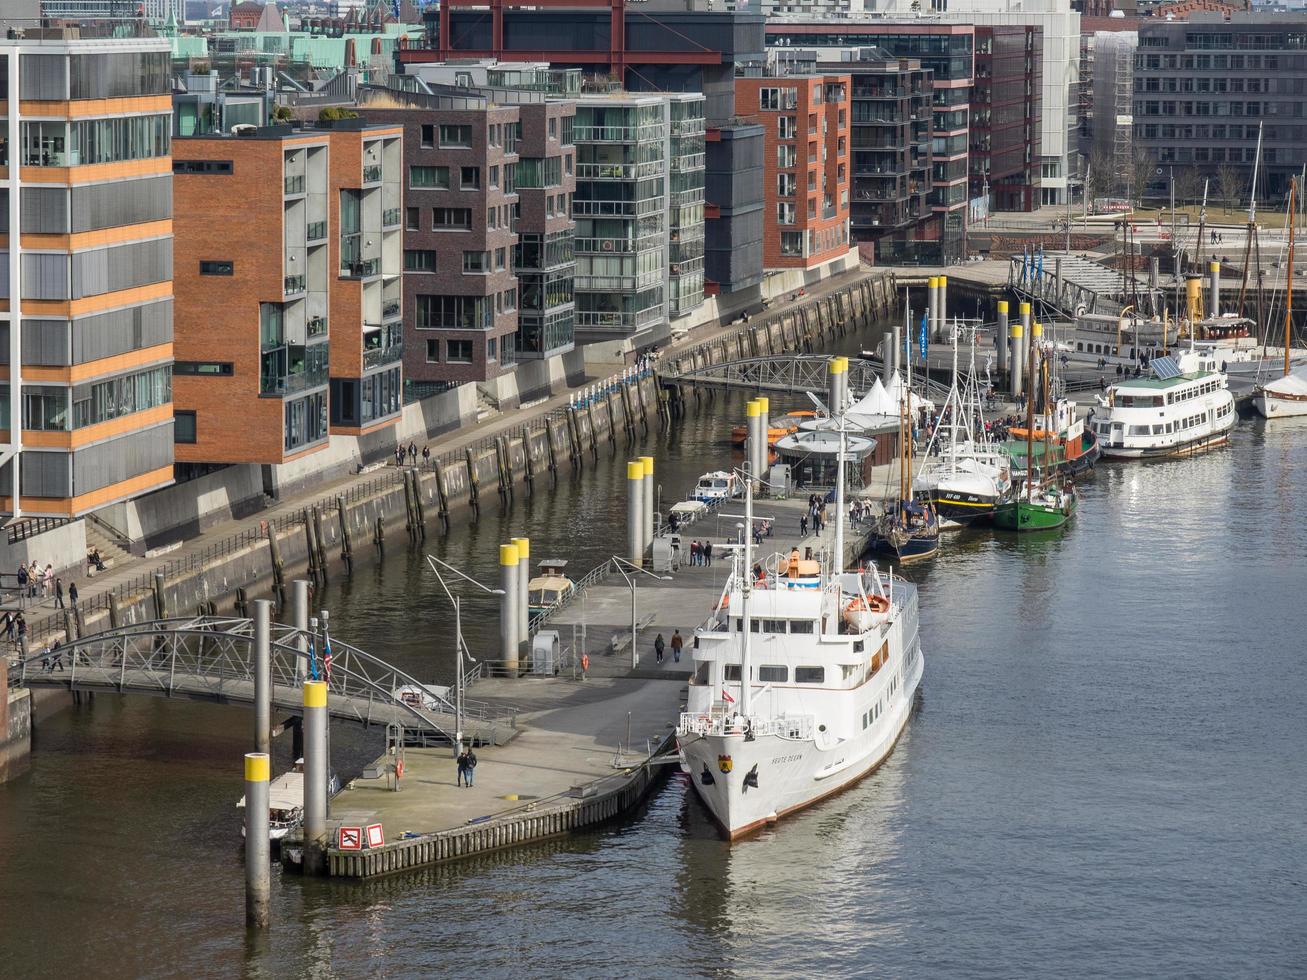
809, 675
732, 672
739, 625
701, 673
773, 674
1138, 430
1157, 429
773, 626
801, 626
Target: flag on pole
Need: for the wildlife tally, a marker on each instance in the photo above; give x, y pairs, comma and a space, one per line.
726, 696
326, 658
923, 338
313, 660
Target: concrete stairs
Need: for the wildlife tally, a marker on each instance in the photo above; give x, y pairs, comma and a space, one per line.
111, 550
487, 407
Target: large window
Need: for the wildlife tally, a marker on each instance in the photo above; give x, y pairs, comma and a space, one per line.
419, 260
55, 144
454, 312
127, 73
429, 177
447, 219
458, 351
306, 420
183, 427
116, 397
774, 99
455, 136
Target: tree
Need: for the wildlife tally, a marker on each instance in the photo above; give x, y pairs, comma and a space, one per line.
1230, 184
1139, 167
1101, 176
1188, 185
335, 112
282, 113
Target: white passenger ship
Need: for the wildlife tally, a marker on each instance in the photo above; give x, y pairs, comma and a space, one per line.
1185, 407
832, 662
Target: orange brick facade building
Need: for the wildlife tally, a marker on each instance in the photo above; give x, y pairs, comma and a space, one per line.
288, 290
806, 165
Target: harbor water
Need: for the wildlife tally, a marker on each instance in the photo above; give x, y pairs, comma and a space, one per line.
1103, 775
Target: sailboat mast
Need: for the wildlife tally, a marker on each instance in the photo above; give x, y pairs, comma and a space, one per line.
746, 624
1030, 420
838, 564
1288, 289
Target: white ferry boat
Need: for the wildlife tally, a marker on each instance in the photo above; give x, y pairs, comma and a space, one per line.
716, 486
1185, 407
803, 682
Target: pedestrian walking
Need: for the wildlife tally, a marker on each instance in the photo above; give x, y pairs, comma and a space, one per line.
58, 593
72, 593
47, 581
413, 453
22, 580
56, 657
659, 646
677, 644
463, 777
471, 766
694, 552
426, 454
707, 553
803, 526
20, 624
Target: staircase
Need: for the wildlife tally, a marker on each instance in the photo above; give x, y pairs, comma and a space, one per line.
112, 550
487, 407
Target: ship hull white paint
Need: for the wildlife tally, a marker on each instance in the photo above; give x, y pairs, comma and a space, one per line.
1271, 407
791, 773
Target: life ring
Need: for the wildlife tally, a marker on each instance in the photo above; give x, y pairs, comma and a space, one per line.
585, 662
399, 769
872, 603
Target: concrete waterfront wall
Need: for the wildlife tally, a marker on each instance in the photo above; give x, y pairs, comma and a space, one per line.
63, 546
546, 819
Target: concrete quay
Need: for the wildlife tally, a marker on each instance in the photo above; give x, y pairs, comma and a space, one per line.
588, 747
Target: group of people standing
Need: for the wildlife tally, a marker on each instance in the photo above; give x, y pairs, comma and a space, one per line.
700, 552
411, 454
34, 583
816, 515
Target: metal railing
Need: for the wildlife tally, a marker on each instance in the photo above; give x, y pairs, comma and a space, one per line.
372, 173
295, 184
390, 217
374, 356
30, 527
294, 284
213, 657
316, 231
722, 723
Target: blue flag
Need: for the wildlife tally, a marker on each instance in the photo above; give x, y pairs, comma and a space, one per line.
313, 661
923, 338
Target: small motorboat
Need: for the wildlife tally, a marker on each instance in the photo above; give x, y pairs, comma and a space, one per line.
778, 429
716, 486
286, 802
549, 586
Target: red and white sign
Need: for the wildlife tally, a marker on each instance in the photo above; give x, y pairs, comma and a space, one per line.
351, 839
375, 836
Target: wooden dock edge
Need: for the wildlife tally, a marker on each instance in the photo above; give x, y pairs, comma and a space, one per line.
554, 818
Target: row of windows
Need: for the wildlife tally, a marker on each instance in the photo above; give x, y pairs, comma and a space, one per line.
61, 144
776, 625
454, 312
780, 674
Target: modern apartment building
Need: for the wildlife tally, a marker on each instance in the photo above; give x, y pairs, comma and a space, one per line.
1006, 113
890, 134
365, 202
490, 171
685, 190
86, 268
947, 50
663, 46
806, 165
1205, 89
289, 291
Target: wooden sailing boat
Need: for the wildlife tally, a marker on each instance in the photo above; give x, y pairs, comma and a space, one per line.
1286, 396
909, 529
1038, 503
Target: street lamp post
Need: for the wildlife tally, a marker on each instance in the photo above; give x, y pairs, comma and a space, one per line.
630, 581
460, 648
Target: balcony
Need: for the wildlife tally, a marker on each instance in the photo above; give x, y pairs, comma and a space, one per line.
291, 384
295, 184
377, 356
316, 231
372, 173
391, 310
316, 326
361, 269
390, 218
293, 284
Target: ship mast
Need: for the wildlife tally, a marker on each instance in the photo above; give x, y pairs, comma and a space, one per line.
1288, 289
746, 587
1030, 422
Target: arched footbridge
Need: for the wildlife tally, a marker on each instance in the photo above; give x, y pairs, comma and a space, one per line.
789, 374
211, 658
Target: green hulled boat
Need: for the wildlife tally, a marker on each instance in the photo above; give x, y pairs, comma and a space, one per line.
1042, 510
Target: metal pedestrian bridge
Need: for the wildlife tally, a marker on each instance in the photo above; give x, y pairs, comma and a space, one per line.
793, 374
211, 658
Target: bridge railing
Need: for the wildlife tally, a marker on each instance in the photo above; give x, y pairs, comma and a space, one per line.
213, 657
